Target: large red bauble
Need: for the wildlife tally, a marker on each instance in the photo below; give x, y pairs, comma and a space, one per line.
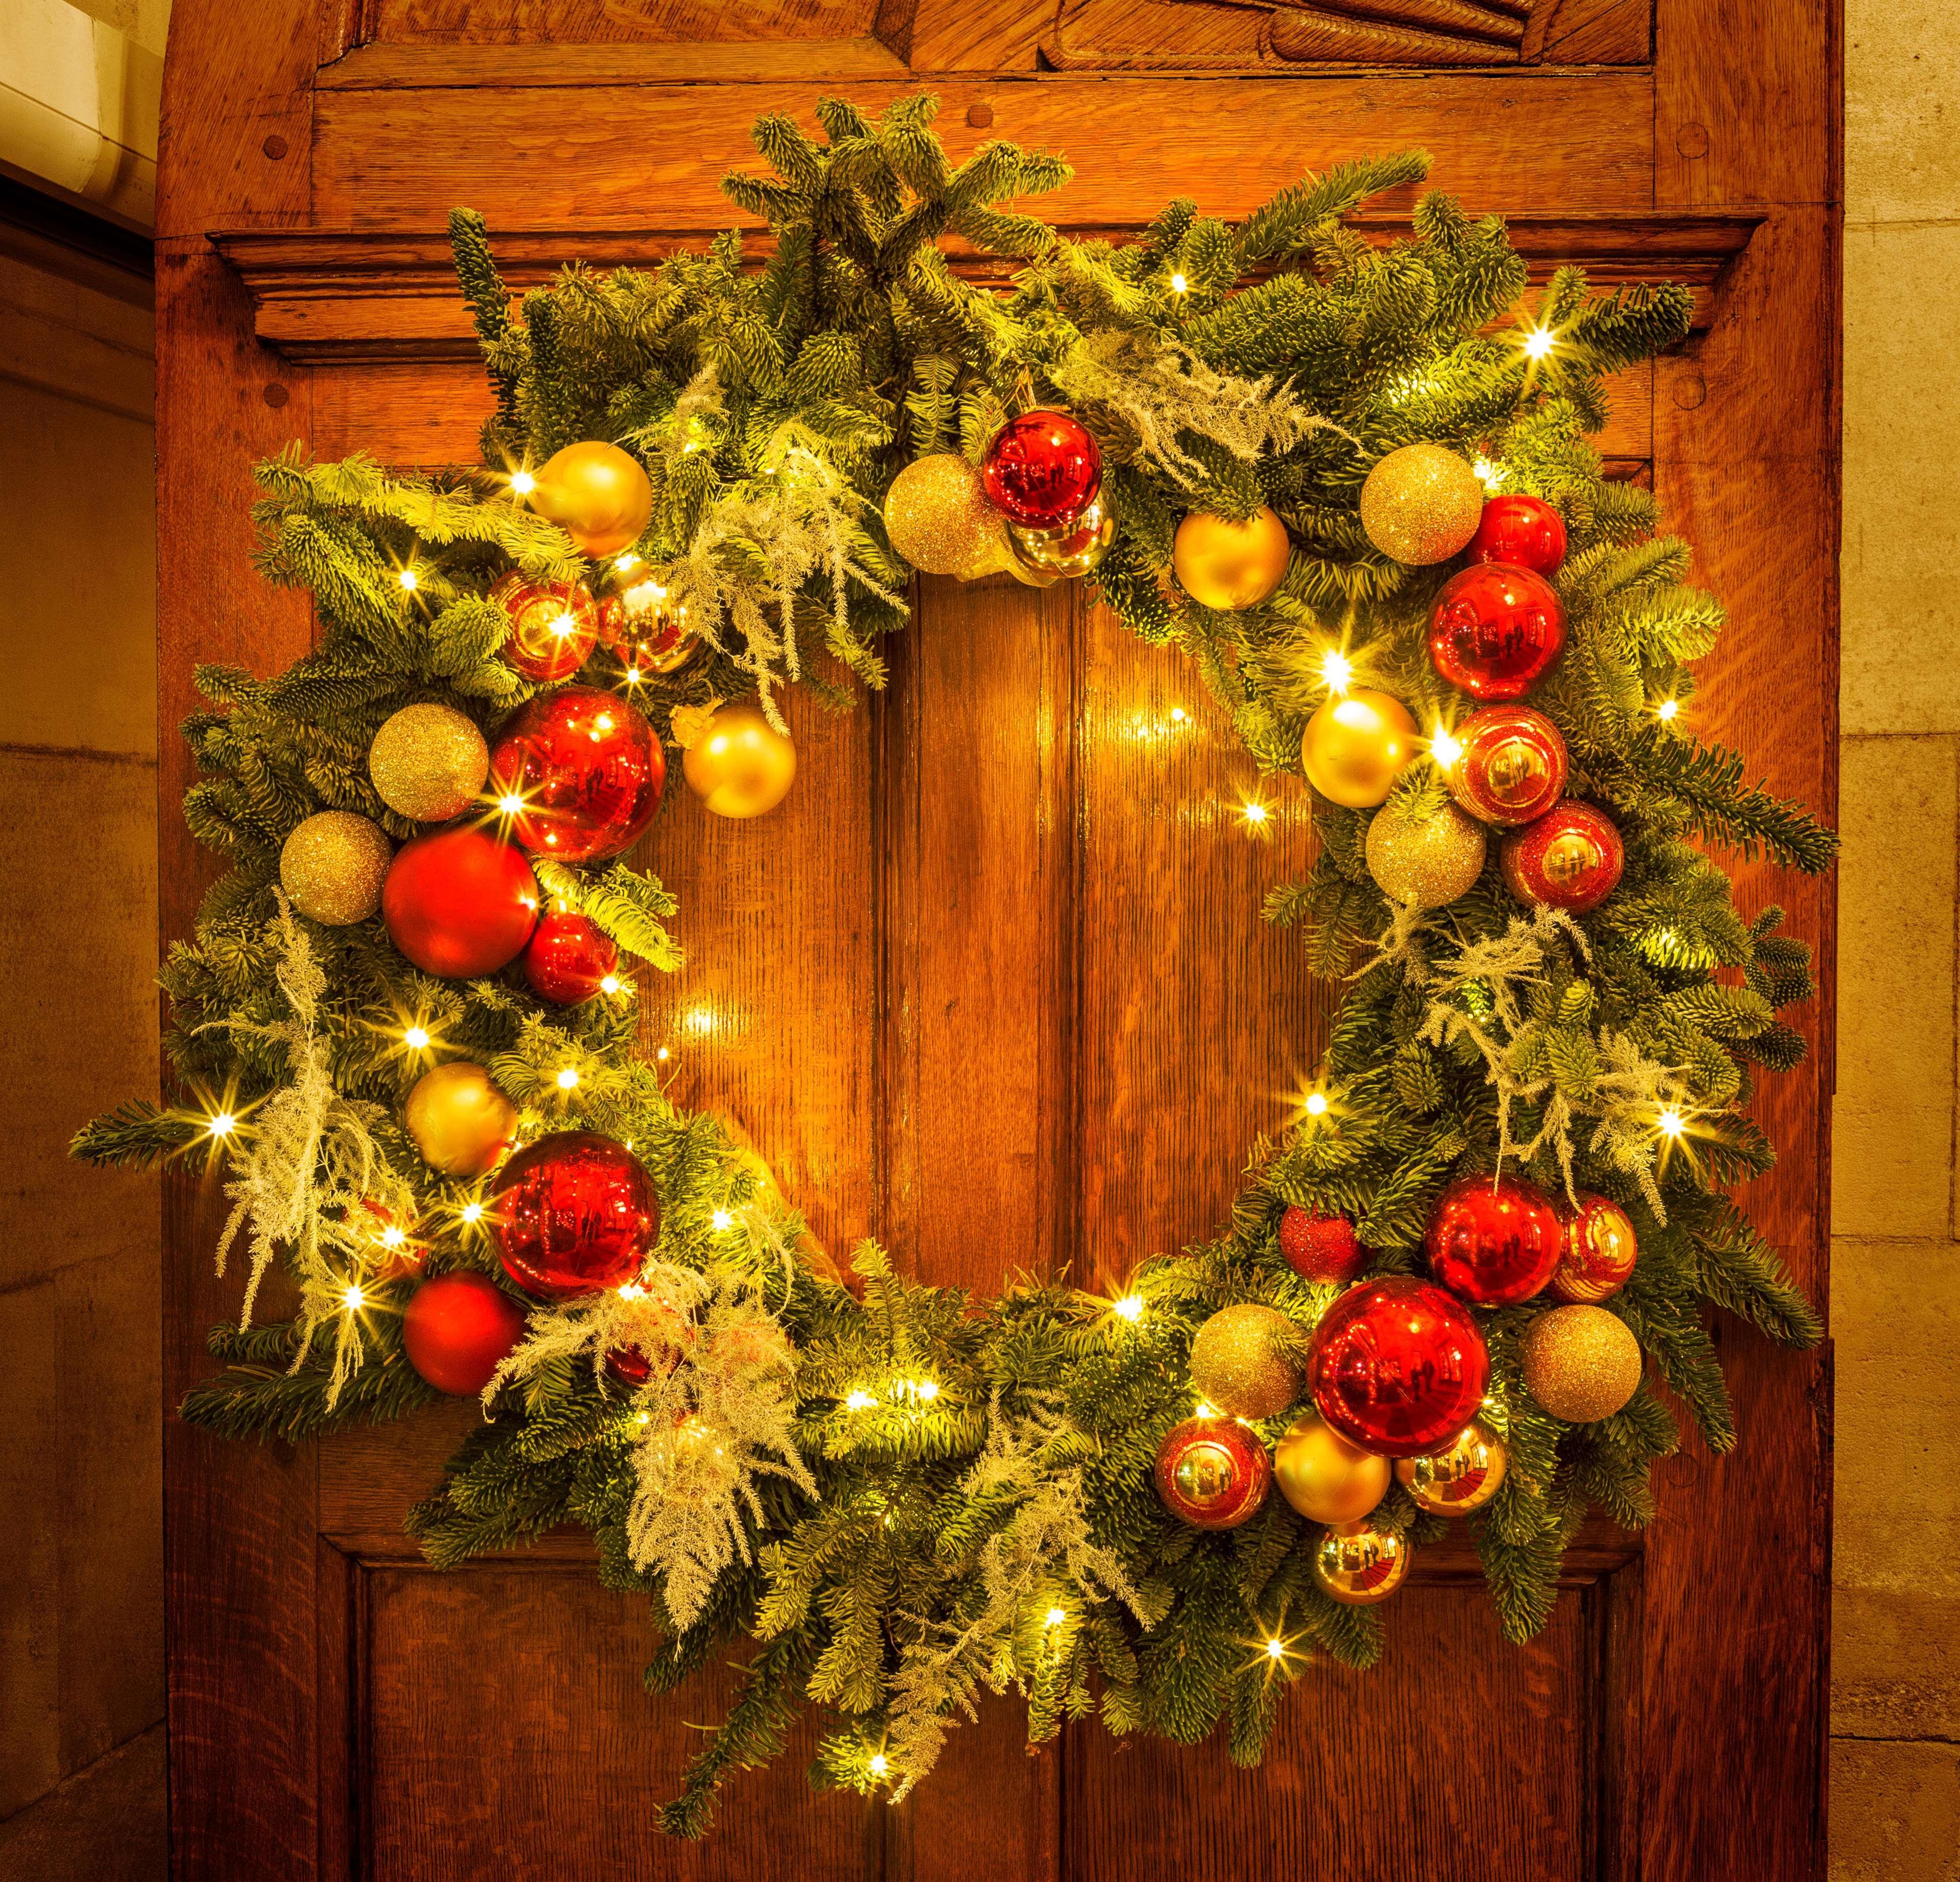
460, 902
1525, 532
574, 1214
1495, 630
554, 625
589, 770
1320, 1247
569, 958
457, 1327
1494, 1240
1213, 1472
1043, 469
1570, 858
1397, 1366
1512, 767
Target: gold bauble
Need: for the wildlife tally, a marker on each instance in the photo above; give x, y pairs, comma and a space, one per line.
1324, 1476
598, 495
332, 867
428, 762
1425, 861
1582, 1364
1421, 504
938, 518
1355, 746
740, 765
1221, 563
654, 634
1463, 1478
459, 1121
1074, 552
1242, 1361
1358, 1565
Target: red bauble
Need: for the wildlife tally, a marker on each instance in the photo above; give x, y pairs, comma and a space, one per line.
574, 1214
1493, 1240
1397, 1366
1320, 1247
1570, 858
1525, 532
460, 902
456, 1329
588, 769
554, 625
569, 958
629, 1365
1213, 1472
1495, 630
1599, 1252
1043, 469
1512, 765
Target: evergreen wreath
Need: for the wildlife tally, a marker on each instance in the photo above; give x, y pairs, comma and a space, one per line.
901, 1498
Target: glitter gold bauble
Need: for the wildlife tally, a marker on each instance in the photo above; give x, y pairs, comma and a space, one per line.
428, 762
598, 495
459, 1119
1421, 504
332, 866
1464, 1477
1071, 552
1358, 1565
938, 518
1234, 566
1324, 1476
1355, 746
1582, 1364
740, 765
1600, 1250
1425, 861
1242, 1361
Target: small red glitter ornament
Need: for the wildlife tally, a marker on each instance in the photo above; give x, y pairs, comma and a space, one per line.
1525, 532
1494, 1241
574, 1213
1320, 1247
1570, 858
569, 958
459, 902
1495, 630
554, 625
1213, 1472
1397, 1366
583, 772
1042, 470
1599, 1252
1512, 767
457, 1328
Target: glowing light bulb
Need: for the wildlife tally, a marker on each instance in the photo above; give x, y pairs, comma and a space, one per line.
1276, 1649
1130, 1307
663, 1054
1487, 473
610, 984
1336, 670
1206, 1410
1177, 715
1537, 342
523, 483
1670, 1123
567, 1079
563, 627
927, 1388
1178, 283
222, 1125
392, 1237
1056, 1616
1444, 747
511, 804
416, 1038
473, 1213
1667, 709
625, 560
879, 1766
1316, 1103
408, 579
721, 1220
633, 676
1253, 811
860, 1401
353, 1300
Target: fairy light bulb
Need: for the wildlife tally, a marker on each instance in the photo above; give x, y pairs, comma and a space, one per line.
1667, 710
1130, 1307
1444, 747
610, 984
567, 1079
416, 1038
1275, 1649
523, 483
1178, 283
721, 1221
1177, 715
473, 1213
878, 1765
409, 580
392, 1237
1670, 1123
1056, 1616
222, 1125
860, 1401
1253, 811
1336, 670
1539, 342
1316, 1103
511, 804
927, 1389
353, 1300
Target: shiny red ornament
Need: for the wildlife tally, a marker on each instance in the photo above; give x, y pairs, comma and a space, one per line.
1042, 470
1320, 1247
554, 625
630, 1366
569, 958
1570, 858
574, 1214
1525, 532
1512, 767
585, 772
1213, 1472
460, 902
1397, 1366
457, 1328
1495, 630
1600, 1249
1493, 1240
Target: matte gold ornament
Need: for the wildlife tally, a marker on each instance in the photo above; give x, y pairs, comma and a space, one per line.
598, 495
1464, 1477
459, 1119
1358, 1565
1425, 861
1582, 1364
333, 865
1070, 552
1234, 566
1242, 1361
1421, 504
1324, 1476
938, 518
1355, 746
740, 765
428, 762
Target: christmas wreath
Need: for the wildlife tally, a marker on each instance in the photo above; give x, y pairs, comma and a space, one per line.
1352, 485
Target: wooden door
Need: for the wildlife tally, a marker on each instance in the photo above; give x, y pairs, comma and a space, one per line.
990, 986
